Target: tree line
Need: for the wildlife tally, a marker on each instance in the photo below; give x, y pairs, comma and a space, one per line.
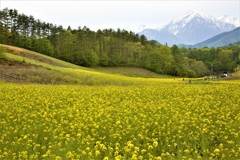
221, 59
105, 47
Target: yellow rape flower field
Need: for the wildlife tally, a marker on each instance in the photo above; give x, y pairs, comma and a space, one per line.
159, 121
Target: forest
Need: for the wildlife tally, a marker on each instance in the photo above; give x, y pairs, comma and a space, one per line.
109, 47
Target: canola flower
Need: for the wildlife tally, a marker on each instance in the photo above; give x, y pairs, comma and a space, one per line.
163, 121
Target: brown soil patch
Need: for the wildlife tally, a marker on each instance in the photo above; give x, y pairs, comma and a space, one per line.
230, 78
26, 53
19, 72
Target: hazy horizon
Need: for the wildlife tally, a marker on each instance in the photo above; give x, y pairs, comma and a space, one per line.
118, 14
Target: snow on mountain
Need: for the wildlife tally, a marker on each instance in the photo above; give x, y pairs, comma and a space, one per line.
192, 28
175, 26
231, 20
135, 28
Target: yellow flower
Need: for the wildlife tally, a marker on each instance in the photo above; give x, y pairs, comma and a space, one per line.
105, 158
216, 150
97, 152
155, 144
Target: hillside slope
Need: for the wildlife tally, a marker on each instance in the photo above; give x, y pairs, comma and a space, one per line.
24, 66
131, 72
21, 72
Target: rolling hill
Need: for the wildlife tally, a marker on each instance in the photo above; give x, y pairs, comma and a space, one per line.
24, 66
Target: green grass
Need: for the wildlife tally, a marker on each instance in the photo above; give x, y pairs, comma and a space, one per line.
49, 62
24, 53
91, 77
238, 72
131, 72
83, 75
55, 71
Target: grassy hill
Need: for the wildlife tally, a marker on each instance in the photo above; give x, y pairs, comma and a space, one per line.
131, 72
24, 66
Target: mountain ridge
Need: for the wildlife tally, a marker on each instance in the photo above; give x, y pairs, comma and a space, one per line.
191, 28
221, 39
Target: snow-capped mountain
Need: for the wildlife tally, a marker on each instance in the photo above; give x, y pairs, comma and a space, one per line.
135, 28
231, 20
192, 28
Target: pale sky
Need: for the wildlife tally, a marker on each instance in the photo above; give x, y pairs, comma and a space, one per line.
113, 14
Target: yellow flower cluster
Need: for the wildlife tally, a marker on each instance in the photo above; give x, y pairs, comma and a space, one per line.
162, 121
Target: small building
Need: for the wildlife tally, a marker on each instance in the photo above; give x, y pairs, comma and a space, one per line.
222, 74
225, 74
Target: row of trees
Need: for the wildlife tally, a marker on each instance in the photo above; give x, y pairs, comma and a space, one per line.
106, 47
217, 59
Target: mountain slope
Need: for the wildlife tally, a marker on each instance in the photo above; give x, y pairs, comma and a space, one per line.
192, 28
135, 28
221, 39
161, 36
